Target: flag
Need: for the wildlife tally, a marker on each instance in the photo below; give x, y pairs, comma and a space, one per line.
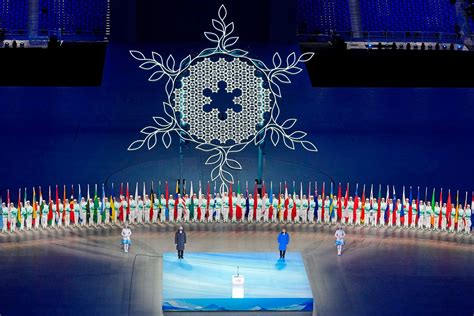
50, 211
379, 207
57, 203
293, 210
64, 203
8, 205
72, 219
255, 201
440, 217
95, 216
127, 192
34, 207
215, 202
263, 198
88, 206
323, 198
339, 202
247, 204
231, 207
456, 215
102, 208
152, 202
270, 200
356, 205
410, 208
199, 210
208, 200
18, 214
387, 208
287, 202
41, 203
279, 208
238, 208
432, 208
331, 202
167, 194
418, 211
362, 202
402, 211
395, 207
121, 215
448, 210
316, 206
112, 204
175, 215
191, 207
371, 197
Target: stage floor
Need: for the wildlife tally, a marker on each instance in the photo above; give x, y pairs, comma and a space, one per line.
382, 271
203, 282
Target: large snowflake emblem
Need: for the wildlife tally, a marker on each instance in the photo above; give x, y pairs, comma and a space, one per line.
222, 130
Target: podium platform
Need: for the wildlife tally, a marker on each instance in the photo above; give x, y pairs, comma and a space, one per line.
204, 282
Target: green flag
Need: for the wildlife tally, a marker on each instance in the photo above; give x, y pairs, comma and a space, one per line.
191, 207
96, 206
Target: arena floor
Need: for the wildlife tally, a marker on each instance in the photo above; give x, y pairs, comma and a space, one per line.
382, 271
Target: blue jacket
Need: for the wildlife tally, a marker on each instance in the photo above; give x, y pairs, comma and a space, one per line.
283, 241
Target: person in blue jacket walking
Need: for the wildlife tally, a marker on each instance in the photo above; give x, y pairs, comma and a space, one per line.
283, 241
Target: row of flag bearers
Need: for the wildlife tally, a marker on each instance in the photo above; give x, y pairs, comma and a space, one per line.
236, 206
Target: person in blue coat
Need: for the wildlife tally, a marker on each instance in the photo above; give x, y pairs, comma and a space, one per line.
283, 241
180, 241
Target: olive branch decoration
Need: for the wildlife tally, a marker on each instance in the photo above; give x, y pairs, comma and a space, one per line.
220, 154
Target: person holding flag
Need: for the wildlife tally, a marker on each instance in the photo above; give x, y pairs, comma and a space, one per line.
29, 215
13, 217
4, 212
468, 215
312, 209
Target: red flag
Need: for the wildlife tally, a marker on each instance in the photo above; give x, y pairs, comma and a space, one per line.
346, 199
448, 209
57, 200
231, 207
127, 192
322, 204
208, 200
339, 203
395, 208
410, 210
362, 201
255, 201
270, 208
64, 203
50, 211
440, 217
379, 207
121, 217
199, 210
356, 205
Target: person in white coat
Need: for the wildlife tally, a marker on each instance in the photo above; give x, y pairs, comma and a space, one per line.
340, 235
126, 238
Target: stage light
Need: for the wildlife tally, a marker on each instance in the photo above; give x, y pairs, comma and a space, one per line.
369, 46
460, 47
445, 46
